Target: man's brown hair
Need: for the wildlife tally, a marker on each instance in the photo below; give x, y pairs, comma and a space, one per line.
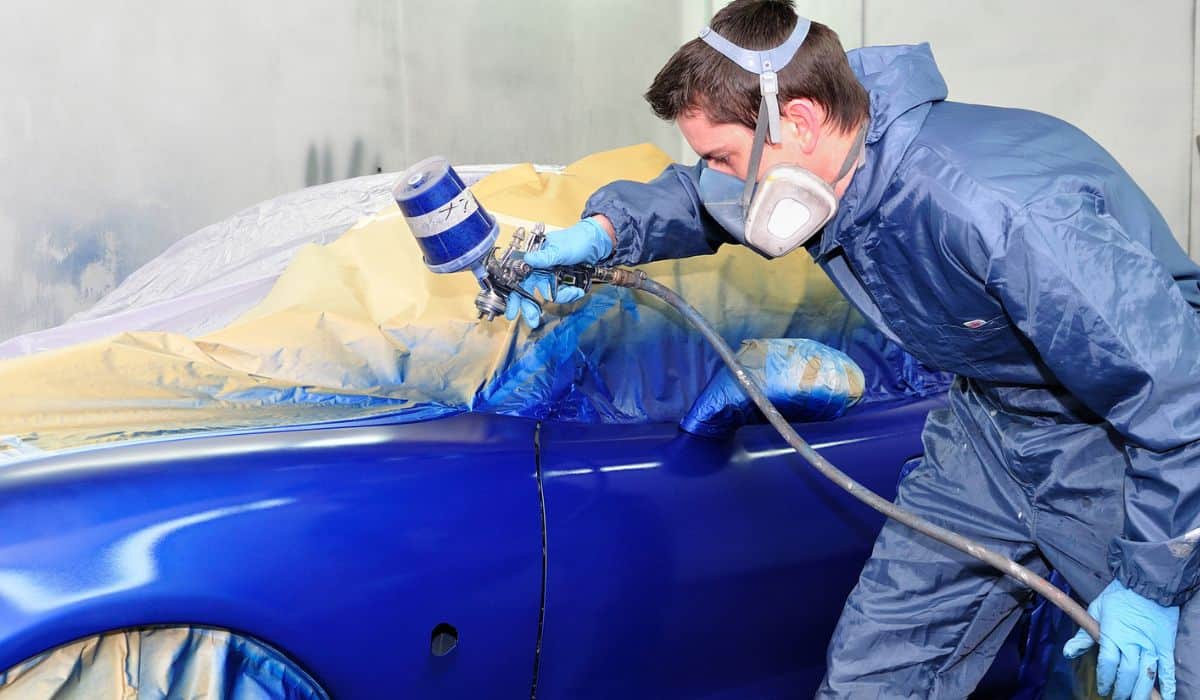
698, 77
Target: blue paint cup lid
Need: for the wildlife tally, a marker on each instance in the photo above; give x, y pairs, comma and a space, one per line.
422, 177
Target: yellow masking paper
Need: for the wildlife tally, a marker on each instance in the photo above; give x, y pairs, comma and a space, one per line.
361, 316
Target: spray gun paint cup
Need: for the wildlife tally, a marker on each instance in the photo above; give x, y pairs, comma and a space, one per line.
453, 231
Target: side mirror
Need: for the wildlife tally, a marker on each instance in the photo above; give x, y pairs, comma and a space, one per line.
806, 380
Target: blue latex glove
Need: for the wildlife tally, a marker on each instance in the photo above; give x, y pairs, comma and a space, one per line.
586, 242
1137, 644
806, 380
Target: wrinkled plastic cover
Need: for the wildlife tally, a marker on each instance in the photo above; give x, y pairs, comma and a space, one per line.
174, 662
209, 278
359, 327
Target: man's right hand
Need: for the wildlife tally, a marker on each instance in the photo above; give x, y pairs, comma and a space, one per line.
587, 242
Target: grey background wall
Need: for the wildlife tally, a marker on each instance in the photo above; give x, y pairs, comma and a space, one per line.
126, 124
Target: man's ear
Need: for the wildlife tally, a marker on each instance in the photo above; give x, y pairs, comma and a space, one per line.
804, 118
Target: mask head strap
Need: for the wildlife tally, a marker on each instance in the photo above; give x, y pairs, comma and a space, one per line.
760, 133
757, 151
852, 154
765, 64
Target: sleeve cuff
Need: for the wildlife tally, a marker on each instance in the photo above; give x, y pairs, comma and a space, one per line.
1165, 572
628, 249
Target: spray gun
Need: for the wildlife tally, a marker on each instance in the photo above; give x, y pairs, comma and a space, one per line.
455, 233
507, 270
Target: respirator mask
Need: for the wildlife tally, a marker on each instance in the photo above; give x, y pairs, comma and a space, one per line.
791, 204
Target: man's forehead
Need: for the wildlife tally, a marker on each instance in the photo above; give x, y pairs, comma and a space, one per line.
705, 136
697, 119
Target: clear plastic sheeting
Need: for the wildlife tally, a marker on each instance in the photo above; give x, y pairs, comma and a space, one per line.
208, 279
360, 327
180, 663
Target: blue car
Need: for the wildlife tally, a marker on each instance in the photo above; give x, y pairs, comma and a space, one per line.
472, 554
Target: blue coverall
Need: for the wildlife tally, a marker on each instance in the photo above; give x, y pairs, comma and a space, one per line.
1009, 248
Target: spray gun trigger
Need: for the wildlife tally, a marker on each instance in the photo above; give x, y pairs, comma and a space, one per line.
526, 295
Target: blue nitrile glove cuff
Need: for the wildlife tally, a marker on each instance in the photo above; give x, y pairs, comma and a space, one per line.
1137, 644
585, 243
806, 380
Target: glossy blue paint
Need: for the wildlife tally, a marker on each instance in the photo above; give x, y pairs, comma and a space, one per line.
677, 566
689, 567
341, 546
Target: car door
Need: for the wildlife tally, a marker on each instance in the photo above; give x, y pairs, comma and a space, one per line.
687, 567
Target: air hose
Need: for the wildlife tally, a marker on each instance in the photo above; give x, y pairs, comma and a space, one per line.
636, 279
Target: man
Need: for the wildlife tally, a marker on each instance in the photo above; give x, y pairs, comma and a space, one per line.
1002, 245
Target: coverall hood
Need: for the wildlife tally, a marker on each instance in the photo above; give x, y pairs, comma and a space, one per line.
897, 78
902, 82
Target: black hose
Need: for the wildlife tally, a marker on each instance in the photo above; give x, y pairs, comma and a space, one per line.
638, 280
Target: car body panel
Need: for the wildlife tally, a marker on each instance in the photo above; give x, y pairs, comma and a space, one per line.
674, 566
691, 567
341, 546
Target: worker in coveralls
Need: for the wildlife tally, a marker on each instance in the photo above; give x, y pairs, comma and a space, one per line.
1002, 245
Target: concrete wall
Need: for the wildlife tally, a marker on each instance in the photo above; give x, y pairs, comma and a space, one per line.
126, 124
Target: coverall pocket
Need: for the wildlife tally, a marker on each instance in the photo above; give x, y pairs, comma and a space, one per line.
973, 347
